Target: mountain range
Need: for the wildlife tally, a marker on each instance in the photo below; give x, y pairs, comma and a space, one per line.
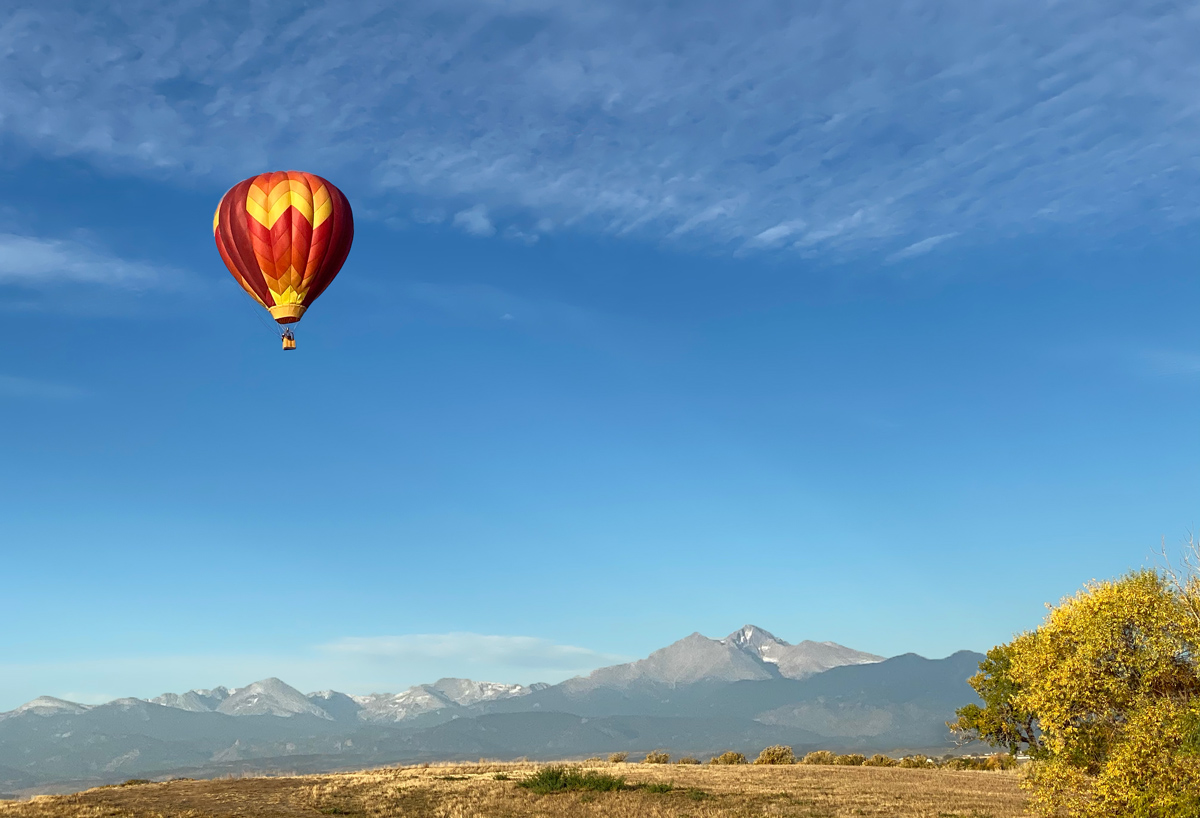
696, 696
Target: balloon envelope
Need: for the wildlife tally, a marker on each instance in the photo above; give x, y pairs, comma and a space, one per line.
284, 236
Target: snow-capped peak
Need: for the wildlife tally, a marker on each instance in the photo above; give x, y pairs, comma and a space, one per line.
466, 692
270, 697
197, 701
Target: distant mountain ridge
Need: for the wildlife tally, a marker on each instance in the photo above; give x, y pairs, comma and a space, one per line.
748, 654
697, 696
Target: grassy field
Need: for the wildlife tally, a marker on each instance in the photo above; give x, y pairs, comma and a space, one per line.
494, 791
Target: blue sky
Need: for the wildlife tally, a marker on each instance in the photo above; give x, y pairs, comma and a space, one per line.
856, 324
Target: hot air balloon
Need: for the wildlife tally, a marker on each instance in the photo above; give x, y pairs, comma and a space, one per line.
284, 236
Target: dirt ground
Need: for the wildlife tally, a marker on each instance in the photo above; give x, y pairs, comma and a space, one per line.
491, 791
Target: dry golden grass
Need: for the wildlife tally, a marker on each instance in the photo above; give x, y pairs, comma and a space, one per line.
472, 791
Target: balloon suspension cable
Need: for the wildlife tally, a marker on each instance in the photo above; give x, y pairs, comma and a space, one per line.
271, 326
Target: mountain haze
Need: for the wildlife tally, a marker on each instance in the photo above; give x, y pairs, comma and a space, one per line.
697, 696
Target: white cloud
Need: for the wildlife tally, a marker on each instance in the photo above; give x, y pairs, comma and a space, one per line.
475, 221
428, 215
472, 648
774, 235
513, 233
920, 248
34, 262
14, 387
872, 126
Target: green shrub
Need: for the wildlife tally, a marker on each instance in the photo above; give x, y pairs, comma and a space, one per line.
851, 760
659, 786
688, 760
728, 757
133, 782
657, 757
818, 757
776, 754
501, 776
569, 779
917, 761
617, 758
961, 763
880, 760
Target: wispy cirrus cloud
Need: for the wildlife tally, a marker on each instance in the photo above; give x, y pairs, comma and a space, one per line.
473, 648
350, 664
920, 248
826, 128
1165, 362
35, 262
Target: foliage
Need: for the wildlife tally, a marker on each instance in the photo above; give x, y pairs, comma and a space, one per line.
1112, 682
996, 761
571, 779
501, 777
917, 762
880, 760
818, 757
659, 786
688, 760
776, 754
728, 757
1000, 722
851, 760
657, 757
617, 758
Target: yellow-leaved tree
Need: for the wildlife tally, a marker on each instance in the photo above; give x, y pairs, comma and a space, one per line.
1105, 696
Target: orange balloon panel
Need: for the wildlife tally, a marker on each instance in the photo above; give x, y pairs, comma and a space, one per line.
284, 236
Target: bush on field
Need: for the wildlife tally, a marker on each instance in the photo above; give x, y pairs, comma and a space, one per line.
880, 760
851, 760
996, 761
964, 763
617, 758
687, 760
818, 757
776, 754
657, 757
923, 762
1001, 761
728, 757
593, 761
569, 779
